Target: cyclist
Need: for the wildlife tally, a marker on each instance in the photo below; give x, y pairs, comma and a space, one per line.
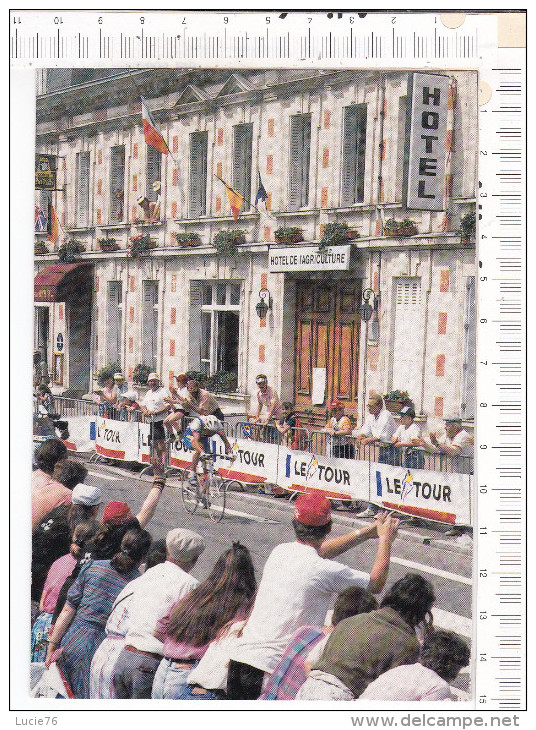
196, 438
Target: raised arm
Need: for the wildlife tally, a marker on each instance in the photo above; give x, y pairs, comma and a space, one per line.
148, 507
387, 529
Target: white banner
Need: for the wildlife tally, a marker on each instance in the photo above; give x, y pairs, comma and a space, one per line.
82, 431
338, 478
255, 463
117, 439
432, 495
179, 455
309, 258
427, 142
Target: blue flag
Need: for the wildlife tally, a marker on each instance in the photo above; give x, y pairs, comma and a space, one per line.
261, 192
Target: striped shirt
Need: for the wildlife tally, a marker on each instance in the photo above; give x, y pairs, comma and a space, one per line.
289, 675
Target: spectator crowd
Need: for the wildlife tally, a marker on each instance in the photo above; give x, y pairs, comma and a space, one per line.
118, 615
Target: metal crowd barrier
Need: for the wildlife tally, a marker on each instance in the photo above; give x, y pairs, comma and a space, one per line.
66, 407
346, 447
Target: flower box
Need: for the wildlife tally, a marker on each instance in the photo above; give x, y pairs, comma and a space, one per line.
400, 229
289, 234
227, 240
108, 244
188, 240
40, 249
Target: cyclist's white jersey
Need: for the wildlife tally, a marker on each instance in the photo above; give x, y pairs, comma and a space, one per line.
199, 424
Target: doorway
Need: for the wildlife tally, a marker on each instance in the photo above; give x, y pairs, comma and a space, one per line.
327, 339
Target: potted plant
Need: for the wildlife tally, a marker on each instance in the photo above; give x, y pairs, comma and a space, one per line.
70, 250
400, 229
197, 375
467, 227
40, 248
288, 234
222, 382
108, 244
335, 233
107, 372
141, 245
395, 400
188, 239
226, 241
141, 373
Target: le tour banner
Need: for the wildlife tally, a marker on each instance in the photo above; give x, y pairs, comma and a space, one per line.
427, 141
117, 439
441, 496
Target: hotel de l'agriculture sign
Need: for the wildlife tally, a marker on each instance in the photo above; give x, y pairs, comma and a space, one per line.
309, 258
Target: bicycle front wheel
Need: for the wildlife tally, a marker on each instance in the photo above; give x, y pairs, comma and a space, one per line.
188, 493
215, 493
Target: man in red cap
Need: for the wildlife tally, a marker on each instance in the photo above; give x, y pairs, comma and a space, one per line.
340, 426
298, 582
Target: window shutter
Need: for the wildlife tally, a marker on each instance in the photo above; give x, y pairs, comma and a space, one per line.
153, 167
300, 153
149, 323
194, 358
83, 189
117, 182
114, 322
198, 174
353, 154
243, 140
469, 351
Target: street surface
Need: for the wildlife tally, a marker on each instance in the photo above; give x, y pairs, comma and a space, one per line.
262, 522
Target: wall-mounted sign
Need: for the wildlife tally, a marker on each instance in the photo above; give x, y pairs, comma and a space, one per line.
45, 172
59, 342
309, 258
427, 138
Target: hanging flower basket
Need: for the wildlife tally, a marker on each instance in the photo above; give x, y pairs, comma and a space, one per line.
108, 244
289, 234
141, 245
188, 240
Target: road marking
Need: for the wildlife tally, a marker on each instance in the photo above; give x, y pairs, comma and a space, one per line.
103, 476
433, 571
253, 518
453, 622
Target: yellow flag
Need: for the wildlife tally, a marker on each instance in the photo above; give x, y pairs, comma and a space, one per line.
235, 199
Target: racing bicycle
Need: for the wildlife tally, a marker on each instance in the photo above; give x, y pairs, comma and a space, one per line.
210, 488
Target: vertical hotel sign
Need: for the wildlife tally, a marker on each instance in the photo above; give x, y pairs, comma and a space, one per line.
427, 138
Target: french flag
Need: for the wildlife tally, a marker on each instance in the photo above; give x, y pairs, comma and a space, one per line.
151, 134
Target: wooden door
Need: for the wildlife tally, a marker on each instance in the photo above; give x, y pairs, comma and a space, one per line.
327, 336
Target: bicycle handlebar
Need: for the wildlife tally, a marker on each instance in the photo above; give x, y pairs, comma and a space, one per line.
229, 457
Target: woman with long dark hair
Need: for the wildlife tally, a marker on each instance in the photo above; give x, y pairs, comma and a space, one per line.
58, 573
195, 620
80, 626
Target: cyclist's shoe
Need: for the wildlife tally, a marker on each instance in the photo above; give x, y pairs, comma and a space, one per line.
204, 502
192, 481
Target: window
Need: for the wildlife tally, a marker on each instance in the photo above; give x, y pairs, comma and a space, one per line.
149, 325
469, 351
82, 189
300, 154
117, 183
114, 321
215, 328
408, 340
153, 172
198, 174
242, 144
353, 154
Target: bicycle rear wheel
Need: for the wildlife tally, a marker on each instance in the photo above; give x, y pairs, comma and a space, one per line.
215, 492
189, 493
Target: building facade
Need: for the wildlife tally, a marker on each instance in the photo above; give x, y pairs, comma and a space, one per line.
329, 147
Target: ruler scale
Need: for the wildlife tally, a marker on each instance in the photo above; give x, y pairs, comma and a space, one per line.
394, 41
500, 670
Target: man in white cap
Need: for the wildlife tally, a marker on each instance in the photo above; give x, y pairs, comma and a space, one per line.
296, 588
155, 592
120, 385
155, 406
